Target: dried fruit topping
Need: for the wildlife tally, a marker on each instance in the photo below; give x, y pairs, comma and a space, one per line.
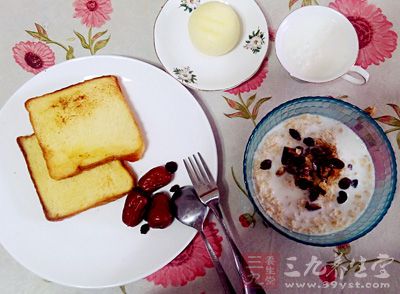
266, 164
299, 150
313, 195
324, 172
291, 169
303, 184
287, 155
280, 171
354, 183
299, 160
314, 168
157, 177
160, 215
312, 206
309, 141
320, 190
135, 207
295, 134
342, 197
350, 166
344, 183
336, 163
144, 229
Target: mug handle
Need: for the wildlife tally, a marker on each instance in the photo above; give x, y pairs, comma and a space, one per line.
359, 71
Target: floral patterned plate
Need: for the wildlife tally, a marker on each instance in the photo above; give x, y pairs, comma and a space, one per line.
199, 71
96, 249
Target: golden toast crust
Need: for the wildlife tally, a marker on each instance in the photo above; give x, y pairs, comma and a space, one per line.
42, 202
78, 168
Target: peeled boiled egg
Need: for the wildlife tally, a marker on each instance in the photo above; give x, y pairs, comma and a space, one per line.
214, 28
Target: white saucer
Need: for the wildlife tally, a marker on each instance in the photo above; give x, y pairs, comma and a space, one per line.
197, 70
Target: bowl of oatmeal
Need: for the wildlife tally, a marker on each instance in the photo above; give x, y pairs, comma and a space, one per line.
320, 171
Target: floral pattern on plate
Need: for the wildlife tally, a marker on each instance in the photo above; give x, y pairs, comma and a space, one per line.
185, 75
189, 5
255, 41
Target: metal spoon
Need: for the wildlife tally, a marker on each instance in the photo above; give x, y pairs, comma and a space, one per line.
190, 211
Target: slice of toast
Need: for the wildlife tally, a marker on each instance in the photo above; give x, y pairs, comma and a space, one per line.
65, 198
85, 125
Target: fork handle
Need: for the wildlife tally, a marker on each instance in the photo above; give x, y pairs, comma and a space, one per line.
226, 284
249, 285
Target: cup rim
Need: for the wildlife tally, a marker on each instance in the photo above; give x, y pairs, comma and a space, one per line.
370, 120
301, 10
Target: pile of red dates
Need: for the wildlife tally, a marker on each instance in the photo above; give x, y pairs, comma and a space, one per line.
142, 203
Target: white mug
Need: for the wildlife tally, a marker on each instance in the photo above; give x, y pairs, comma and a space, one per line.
318, 44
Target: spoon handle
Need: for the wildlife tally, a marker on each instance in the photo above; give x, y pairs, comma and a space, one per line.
226, 284
249, 284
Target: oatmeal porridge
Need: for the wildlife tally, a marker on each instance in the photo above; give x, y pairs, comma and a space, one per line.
313, 175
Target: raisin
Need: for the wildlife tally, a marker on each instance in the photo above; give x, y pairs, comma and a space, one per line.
299, 161
354, 183
344, 183
144, 229
291, 169
313, 195
266, 164
309, 141
336, 163
171, 166
287, 155
303, 184
317, 152
295, 134
342, 197
174, 188
312, 206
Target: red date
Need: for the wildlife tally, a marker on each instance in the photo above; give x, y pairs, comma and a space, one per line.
160, 215
157, 177
136, 204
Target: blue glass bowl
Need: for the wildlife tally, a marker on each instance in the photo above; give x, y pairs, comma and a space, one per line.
374, 138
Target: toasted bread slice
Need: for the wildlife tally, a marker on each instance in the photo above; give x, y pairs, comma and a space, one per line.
65, 198
85, 125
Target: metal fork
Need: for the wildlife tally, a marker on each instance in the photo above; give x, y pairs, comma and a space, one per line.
207, 189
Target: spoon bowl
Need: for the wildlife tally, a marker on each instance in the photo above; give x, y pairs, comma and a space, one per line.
190, 211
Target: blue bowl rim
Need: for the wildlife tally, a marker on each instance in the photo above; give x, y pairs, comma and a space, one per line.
364, 115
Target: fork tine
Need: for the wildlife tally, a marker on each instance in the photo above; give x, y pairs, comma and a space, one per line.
211, 178
191, 173
195, 168
200, 167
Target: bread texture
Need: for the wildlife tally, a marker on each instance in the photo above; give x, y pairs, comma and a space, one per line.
84, 125
64, 198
